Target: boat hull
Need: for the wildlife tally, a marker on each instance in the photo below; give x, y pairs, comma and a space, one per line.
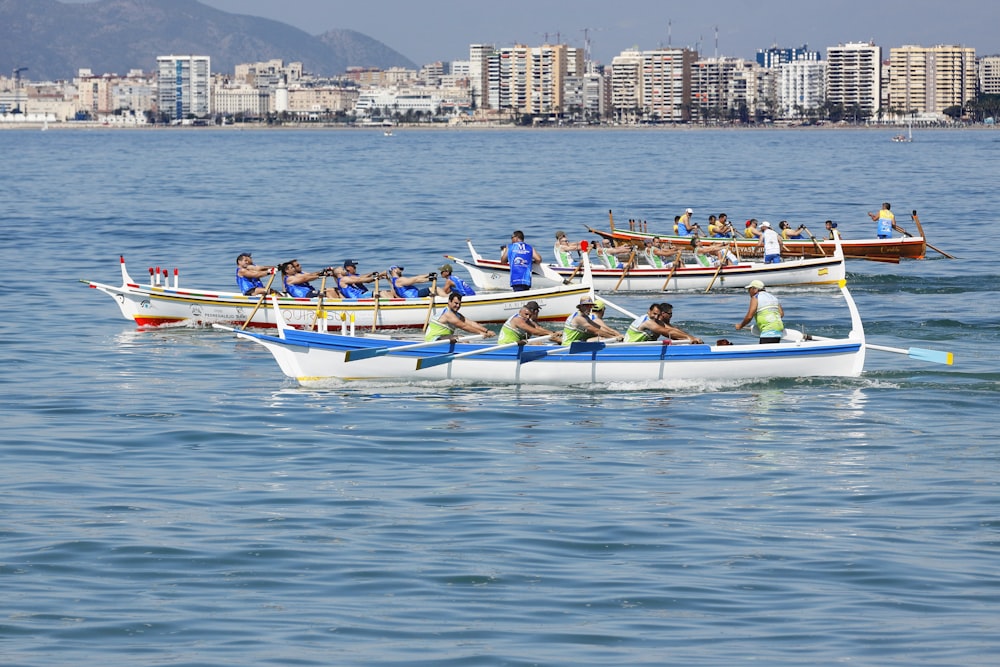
314, 358
881, 250
492, 274
154, 306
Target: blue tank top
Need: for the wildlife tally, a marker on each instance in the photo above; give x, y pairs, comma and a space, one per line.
407, 292
300, 291
519, 257
462, 287
246, 285
352, 291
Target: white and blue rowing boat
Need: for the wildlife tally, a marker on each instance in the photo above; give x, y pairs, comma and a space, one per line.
314, 358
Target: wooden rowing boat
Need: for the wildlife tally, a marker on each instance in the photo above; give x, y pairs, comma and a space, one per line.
493, 274
312, 358
161, 304
879, 250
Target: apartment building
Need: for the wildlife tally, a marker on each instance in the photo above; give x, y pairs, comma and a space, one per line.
653, 85
774, 56
110, 93
854, 77
184, 86
989, 75
801, 87
928, 80
531, 80
723, 88
479, 73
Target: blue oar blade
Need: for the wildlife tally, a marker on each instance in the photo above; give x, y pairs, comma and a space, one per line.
356, 355
532, 355
933, 356
429, 362
584, 346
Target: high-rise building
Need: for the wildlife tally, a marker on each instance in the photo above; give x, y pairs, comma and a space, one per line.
652, 85
801, 87
183, 86
928, 80
989, 75
530, 80
774, 56
854, 76
479, 73
722, 88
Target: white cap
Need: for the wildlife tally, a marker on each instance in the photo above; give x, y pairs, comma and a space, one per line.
765, 224
689, 211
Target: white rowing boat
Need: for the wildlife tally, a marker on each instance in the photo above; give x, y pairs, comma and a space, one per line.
643, 277
161, 304
313, 358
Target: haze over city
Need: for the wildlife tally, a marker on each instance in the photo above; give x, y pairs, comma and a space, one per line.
435, 30
443, 29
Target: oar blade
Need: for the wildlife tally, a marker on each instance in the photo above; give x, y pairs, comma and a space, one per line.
933, 356
585, 347
430, 362
357, 355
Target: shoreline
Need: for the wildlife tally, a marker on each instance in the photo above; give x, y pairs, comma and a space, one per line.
464, 127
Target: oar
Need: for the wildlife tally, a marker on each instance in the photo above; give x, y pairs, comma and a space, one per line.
267, 290
376, 295
815, 242
621, 310
625, 270
430, 306
673, 269
722, 262
584, 247
319, 302
916, 220
918, 353
428, 362
357, 355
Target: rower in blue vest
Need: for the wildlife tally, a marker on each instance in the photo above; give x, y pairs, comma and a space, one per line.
886, 221
350, 283
521, 257
248, 275
453, 283
403, 287
297, 284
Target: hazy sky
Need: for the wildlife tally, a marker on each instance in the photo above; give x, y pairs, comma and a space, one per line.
430, 30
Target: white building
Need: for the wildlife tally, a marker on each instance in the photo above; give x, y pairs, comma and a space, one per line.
989, 75
801, 87
854, 77
184, 86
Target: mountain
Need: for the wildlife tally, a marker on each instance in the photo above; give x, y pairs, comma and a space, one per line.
54, 39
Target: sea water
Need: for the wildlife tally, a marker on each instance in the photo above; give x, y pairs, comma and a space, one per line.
169, 498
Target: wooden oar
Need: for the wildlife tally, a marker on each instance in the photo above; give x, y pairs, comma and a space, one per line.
919, 353
267, 290
673, 269
428, 362
356, 355
916, 221
430, 306
375, 295
815, 242
722, 263
625, 270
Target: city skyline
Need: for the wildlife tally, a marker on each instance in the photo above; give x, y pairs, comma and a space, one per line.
442, 30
